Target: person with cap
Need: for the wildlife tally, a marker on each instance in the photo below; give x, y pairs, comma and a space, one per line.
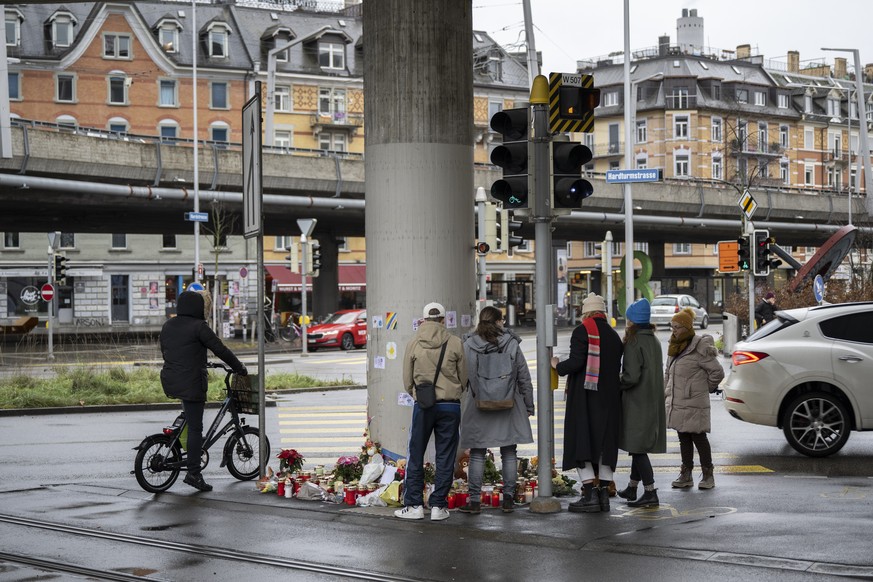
644, 425
765, 312
593, 414
432, 352
692, 374
184, 340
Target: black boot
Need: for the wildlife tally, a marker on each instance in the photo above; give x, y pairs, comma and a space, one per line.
649, 499
629, 493
196, 481
604, 495
589, 502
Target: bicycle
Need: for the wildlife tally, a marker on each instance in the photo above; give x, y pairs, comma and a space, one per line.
161, 457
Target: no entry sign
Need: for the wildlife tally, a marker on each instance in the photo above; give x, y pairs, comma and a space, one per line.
47, 292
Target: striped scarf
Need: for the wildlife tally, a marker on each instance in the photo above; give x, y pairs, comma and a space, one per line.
592, 366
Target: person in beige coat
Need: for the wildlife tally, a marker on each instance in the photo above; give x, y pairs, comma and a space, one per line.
691, 375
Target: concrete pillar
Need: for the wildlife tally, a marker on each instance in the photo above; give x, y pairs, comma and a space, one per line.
419, 184
325, 287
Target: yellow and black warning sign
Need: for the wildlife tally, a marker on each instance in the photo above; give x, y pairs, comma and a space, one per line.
572, 99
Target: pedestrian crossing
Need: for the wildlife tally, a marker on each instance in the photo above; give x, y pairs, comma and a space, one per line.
324, 433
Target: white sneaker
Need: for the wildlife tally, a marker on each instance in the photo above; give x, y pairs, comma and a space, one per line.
410, 512
438, 513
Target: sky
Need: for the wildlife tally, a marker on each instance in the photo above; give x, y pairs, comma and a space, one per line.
569, 30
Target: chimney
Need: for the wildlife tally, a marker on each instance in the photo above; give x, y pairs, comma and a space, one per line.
840, 68
693, 12
793, 62
684, 13
663, 45
744, 51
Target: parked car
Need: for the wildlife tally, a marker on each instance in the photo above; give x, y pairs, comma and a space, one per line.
344, 329
664, 307
807, 372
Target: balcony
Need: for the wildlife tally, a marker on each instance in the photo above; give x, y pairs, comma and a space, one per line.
339, 120
836, 158
740, 147
681, 101
607, 150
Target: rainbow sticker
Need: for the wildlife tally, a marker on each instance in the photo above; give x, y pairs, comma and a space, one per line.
391, 319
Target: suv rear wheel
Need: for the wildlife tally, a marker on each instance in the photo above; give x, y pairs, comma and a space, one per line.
816, 424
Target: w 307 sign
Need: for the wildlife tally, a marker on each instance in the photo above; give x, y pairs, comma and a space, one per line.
728, 259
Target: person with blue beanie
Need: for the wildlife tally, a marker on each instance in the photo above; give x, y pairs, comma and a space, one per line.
644, 427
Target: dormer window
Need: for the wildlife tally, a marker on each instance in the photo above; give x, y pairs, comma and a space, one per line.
218, 35
168, 36
331, 55
62, 30
13, 28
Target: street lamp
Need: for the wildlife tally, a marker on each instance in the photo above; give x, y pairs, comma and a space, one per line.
196, 166
849, 146
862, 114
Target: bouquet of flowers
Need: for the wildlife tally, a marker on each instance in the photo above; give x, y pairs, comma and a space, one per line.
429, 473
348, 469
290, 461
368, 450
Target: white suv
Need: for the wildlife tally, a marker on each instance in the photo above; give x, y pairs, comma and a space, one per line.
809, 372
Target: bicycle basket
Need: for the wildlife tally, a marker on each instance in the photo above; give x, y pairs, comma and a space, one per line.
245, 393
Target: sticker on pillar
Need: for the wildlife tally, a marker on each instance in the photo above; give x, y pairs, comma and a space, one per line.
377, 322
404, 399
391, 318
416, 323
379, 362
451, 319
391, 350
466, 320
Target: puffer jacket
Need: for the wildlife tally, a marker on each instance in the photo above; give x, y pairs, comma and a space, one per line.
421, 357
689, 379
184, 340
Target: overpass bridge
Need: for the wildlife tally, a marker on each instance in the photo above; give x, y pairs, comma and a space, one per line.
94, 181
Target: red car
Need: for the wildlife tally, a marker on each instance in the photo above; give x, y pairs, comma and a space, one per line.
345, 329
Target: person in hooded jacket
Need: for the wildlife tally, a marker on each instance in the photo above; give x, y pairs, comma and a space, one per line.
643, 427
692, 374
442, 419
184, 341
481, 429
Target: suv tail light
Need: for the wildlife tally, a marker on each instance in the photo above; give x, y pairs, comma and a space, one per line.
739, 358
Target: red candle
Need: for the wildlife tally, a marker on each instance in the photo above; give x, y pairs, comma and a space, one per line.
451, 500
486, 498
280, 489
495, 498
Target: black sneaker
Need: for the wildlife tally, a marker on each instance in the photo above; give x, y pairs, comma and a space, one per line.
471, 507
508, 505
197, 482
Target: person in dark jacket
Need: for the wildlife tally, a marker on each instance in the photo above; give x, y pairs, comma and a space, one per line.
644, 419
765, 312
593, 418
184, 340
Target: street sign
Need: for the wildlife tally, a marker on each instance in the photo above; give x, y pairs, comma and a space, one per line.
194, 287
728, 261
251, 142
47, 292
627, 176
197, 216
747, 204
818, 288
243, 272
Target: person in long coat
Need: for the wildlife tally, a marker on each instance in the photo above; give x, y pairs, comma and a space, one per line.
692, 374
643, 429
593, 413
481, 429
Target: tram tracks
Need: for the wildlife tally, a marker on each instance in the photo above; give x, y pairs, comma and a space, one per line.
162, 545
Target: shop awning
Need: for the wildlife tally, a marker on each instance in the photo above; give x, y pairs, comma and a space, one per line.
351, 278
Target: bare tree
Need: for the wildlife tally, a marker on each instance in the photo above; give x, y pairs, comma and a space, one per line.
220, 226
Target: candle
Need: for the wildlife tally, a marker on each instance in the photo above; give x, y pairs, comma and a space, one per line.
289, 489
280, 488
451, 499
495, 497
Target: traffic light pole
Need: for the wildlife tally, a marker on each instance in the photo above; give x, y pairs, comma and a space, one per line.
750, 282
542, 217
51, 304
480, 207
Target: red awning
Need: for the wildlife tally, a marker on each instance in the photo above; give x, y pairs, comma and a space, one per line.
351, 278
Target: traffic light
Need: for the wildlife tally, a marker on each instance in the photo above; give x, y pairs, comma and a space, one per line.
491, 226
315, 264
744, 253
61, 269
577, 102
508, 227
763, 254
567, 187
514, 190
293, 257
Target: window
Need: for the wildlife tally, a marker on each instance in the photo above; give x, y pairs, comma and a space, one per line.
853, 109
808, 139
763, 169
742, 135
762, 137
219, 131
329, 141
783, 136
742, 96
119, 241
168, 36
681, 164
613, 165
807, 103
68, 240
168, 241
760, 98
853, 176
809, 174
65, 88
681, 98
116, 46
168, 93
331, 101
782, 101
590, 251
13, 29
282, 98
331, 55
14, 86
218, 96
716, 129
856, 327
283, 138
11, 241
681, 248
642, 161
783, 173
118, 89
67, 122
218, 41
680, 127
62, 30
641, 131
168, 130
716, 168
834, 108
610, 99
283, 243
118, 125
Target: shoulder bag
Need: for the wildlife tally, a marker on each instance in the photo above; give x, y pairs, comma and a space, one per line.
425, 393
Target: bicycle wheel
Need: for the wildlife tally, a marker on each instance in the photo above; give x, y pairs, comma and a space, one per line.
242, 453
286, 333
151, 466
